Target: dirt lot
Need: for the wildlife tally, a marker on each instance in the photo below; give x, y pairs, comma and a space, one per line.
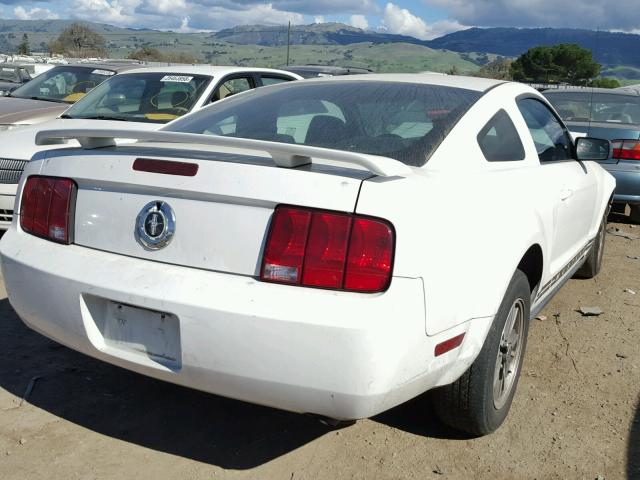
576, 414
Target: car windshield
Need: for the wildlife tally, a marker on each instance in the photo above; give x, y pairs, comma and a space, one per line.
404, 121
596, 107
63, 84
9, 74
142, 97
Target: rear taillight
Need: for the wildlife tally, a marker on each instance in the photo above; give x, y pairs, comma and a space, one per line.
626, 149
315, 248
46, 207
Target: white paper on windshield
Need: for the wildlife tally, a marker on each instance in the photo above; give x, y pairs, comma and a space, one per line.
97, 71
176, 78
5, 69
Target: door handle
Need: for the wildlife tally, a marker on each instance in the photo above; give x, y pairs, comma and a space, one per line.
565, 193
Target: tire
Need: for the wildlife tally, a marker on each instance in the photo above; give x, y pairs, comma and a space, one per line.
592, 265
635, 213
479, 401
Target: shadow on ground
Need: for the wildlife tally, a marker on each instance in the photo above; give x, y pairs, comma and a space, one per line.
141, 410
633, 451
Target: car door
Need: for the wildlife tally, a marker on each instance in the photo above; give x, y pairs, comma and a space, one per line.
569, 183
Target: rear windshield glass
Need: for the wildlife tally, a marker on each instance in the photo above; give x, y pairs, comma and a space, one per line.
599, 107
404, 121
9, 74
63, 84
142, 97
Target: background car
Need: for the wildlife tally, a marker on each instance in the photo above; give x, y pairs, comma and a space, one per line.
11, 77
294, 246
614, 115
312, 71
149, 97
50, 93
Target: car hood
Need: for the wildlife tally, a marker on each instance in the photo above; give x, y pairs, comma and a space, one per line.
20, 143
22, 110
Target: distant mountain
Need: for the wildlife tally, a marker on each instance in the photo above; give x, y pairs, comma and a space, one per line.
340, 44
314, 34
609, 48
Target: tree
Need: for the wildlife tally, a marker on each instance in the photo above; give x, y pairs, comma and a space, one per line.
79, 41
150, 54
23, 48
604, 82
563, 63
499, 69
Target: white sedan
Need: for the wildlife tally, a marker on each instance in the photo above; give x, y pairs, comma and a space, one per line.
150, 97
334, 247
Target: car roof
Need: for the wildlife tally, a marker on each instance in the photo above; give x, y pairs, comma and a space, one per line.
211, 70
11, 65
116, 67
588, 91
468, 83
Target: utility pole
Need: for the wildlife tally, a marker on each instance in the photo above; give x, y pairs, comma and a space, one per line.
288, 41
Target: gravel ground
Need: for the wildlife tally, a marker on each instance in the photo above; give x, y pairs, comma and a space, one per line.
576, 414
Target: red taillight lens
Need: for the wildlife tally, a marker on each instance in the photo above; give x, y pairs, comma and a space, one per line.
626, 149
370, 256
45, 208
328, 250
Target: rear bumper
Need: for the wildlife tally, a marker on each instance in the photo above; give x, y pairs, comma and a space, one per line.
627, 182
337, 354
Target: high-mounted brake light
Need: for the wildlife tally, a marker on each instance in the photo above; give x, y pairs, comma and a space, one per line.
316, 248
45, 209
626, 149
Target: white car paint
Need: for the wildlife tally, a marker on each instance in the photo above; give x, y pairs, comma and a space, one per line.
462, 226
19, 143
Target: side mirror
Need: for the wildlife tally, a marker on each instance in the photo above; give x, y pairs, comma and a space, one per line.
590, 149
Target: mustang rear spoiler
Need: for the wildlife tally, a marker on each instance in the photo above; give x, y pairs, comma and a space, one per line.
283, 154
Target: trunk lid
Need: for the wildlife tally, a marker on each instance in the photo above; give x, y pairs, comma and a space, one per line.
222, 213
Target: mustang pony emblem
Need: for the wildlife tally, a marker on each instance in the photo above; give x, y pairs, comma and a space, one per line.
155, 225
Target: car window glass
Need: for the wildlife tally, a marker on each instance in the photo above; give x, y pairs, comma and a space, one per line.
596, 107
266, 80
294, 119
142, 97
9, 74
64, 83
499, 139
403, 121
550, 138
231, 87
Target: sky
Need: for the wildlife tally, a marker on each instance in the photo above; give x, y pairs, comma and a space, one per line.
425, 19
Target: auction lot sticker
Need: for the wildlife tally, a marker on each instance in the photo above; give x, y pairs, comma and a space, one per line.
176, 78
97, 71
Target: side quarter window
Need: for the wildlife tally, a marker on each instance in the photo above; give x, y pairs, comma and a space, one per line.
273, 80
551, 139
231, 87
499, 140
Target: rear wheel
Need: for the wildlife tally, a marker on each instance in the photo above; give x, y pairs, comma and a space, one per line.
593, 263
479, 401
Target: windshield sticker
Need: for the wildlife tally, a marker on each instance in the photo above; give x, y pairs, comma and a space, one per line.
176, 78
97, 71
4, 69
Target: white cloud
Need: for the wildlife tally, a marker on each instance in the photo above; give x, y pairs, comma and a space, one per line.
319, 19
117, 12
35, 13
359, 21
605, 14
402, 21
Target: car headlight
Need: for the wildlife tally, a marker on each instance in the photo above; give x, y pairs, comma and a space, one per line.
4, 93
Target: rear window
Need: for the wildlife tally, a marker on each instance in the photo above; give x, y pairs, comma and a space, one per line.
9, 74
599, 107
404, 121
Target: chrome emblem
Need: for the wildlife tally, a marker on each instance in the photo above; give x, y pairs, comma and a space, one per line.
155, 225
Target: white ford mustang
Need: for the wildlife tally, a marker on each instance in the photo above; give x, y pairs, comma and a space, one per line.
333, 247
